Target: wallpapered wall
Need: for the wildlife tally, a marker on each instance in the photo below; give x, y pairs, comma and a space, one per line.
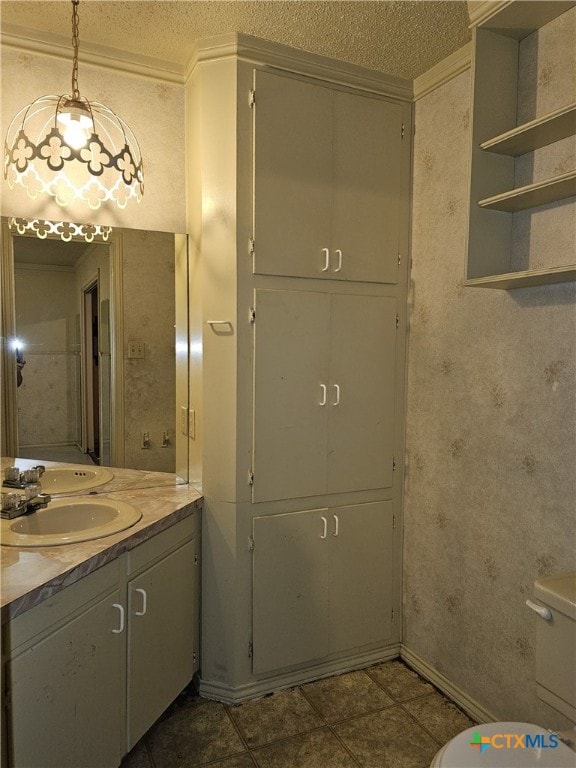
48, 400
149, 315
490, 487
26, 76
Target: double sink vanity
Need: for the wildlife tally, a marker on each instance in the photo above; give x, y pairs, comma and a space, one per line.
100, 613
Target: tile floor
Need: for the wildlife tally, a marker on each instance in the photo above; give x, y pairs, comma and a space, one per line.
384, 716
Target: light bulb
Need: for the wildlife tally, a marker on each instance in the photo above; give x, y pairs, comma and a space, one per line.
76, 123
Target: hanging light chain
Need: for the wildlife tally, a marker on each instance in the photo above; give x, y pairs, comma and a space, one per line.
75, 45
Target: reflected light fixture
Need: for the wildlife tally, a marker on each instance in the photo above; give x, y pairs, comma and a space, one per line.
73, 149
65, 230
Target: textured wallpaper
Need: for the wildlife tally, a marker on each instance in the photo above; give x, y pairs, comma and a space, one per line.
149, 316
490, 483
154, 110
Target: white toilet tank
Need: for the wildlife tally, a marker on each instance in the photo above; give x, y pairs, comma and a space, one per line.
556, 643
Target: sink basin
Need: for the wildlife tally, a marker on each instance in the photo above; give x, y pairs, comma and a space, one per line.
73, 479
68, 521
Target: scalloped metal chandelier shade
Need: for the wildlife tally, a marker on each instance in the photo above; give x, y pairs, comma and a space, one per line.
73, 149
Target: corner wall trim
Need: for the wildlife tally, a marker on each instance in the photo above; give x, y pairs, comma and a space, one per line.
473, 708
445, 70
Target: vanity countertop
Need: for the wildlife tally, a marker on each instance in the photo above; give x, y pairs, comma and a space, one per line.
32, 574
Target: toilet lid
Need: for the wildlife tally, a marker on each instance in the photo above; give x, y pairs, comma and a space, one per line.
505, 745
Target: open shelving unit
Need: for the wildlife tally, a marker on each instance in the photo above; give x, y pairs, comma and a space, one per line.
497, 140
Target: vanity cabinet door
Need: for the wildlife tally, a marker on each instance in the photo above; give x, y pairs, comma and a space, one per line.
67, 699
161, 637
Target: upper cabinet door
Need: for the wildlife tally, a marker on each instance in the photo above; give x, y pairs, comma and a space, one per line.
327, 173
366, 188
292, 176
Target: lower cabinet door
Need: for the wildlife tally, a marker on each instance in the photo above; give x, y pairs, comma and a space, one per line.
361, 575
161, 637
290, 590
322, 584
68, 694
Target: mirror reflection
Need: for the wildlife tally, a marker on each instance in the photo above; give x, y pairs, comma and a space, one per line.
95, 354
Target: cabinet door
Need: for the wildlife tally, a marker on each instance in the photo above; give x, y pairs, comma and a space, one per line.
290, 590
361, 575
361, 392
366, 188
68, 694
161, 636
292, 176
290, 394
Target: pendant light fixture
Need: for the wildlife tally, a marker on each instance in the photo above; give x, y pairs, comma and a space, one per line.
73, 149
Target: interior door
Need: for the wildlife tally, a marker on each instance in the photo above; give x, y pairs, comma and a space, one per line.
366, 187
361, 392
290, 394
292, 176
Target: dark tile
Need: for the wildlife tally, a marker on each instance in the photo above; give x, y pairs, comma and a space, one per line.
399, 681
275, 717
318, 749
137, 757
439, 716
193, 734
238, 761
388, 739
346, 696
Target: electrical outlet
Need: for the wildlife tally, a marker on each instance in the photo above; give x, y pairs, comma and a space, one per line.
145, 440
136, 350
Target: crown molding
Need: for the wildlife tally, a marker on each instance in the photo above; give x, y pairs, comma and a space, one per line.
480, 10
255, 50
441, 73
34, 41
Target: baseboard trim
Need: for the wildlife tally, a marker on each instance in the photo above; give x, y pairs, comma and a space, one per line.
472, 708
258, 688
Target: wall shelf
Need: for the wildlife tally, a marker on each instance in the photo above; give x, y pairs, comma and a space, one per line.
532, 195
525, 278
538, 133
497, 140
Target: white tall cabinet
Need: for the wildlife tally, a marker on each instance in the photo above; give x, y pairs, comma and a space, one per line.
299, 209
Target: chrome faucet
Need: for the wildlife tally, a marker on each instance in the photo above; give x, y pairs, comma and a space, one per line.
13, 478
15, 505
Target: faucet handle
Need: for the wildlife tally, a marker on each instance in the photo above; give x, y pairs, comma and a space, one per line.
10, 501
41, 469
12, 474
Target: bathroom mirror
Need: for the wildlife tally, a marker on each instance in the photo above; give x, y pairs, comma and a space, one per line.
95, 353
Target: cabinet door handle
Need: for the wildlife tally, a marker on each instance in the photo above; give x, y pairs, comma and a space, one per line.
326, 253
336, 525
339, 254
324, 528
337, 393
144, 603
122, 619
323, 388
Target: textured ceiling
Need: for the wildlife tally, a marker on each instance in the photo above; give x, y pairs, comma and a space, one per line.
402, 37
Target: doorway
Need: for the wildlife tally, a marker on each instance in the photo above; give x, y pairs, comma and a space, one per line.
91, 305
